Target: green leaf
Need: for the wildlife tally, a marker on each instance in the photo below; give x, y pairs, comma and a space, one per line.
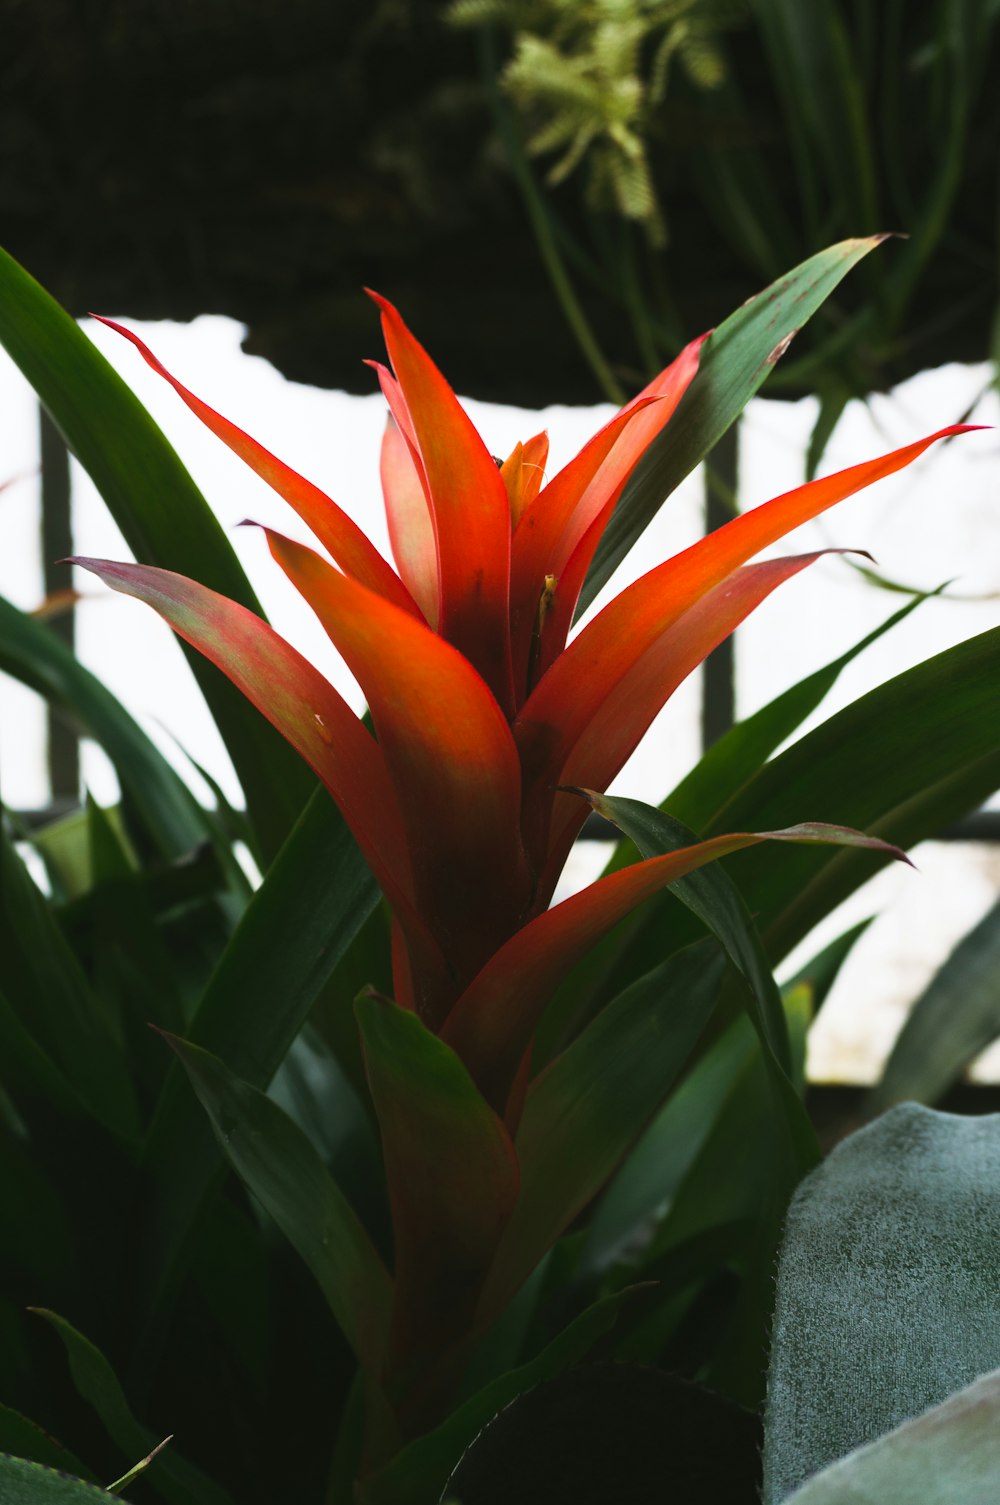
734, 362
712, 896
178, 1481
587, 1109
948, 1456
27, 1440
452, 1176
45, 987
641, 1194
163, 516
276, 1162
899, 1229
819, 974
26, 1483
294, 932
895, 763
740, 753
956, 1016
31, 653
417, 1474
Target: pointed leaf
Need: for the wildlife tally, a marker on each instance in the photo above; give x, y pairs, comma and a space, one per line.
594, 737
295, 931
948, 1456
900, 1227
337, 532
743, 750
276, 1162
176, 1480
733, 364
956, 1016
492, 1023
290, 693
468, 502
574, 692
452, 1177
935, 727
587, 1109
156, 505
75, 1029
31, 652
448, 751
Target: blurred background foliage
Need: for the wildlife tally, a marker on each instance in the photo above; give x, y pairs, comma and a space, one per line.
162, 161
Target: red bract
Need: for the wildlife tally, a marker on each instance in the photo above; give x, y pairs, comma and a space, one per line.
481, 711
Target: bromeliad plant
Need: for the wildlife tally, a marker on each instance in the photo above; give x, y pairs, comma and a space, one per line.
570, 1099
491, 732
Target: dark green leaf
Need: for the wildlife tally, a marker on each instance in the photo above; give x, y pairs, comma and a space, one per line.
734, 363
586, 1110
163, 516
179, 1482
417, 1474
820, 973
900, 1230
45, 987
895, 763
956, 1016
26, 1483
296, 929
24, 1438
278, 1164
31, 652
641, 1194
742, 751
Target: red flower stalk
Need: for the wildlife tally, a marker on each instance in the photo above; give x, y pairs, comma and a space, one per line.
483, 711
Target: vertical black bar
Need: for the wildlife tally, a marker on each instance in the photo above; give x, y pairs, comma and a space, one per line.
718, 680
57, 542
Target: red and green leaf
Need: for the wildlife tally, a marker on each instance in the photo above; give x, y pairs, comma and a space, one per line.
453, 1180
492, 1024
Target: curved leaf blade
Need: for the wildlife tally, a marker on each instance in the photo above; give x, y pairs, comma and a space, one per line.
23, 1482
163, 516
735, 360
179, 1482
276, 1162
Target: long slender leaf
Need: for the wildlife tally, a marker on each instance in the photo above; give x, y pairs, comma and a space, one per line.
900, 1228
46, 988
956, 1016
742, 751
31, 653
734, 362
178, 1481
158, 508
948, 1456
296, 929
643, 1190
586, 1110
276, 1161
934, 728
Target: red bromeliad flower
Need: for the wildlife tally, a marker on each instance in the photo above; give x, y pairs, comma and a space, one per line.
483, 711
